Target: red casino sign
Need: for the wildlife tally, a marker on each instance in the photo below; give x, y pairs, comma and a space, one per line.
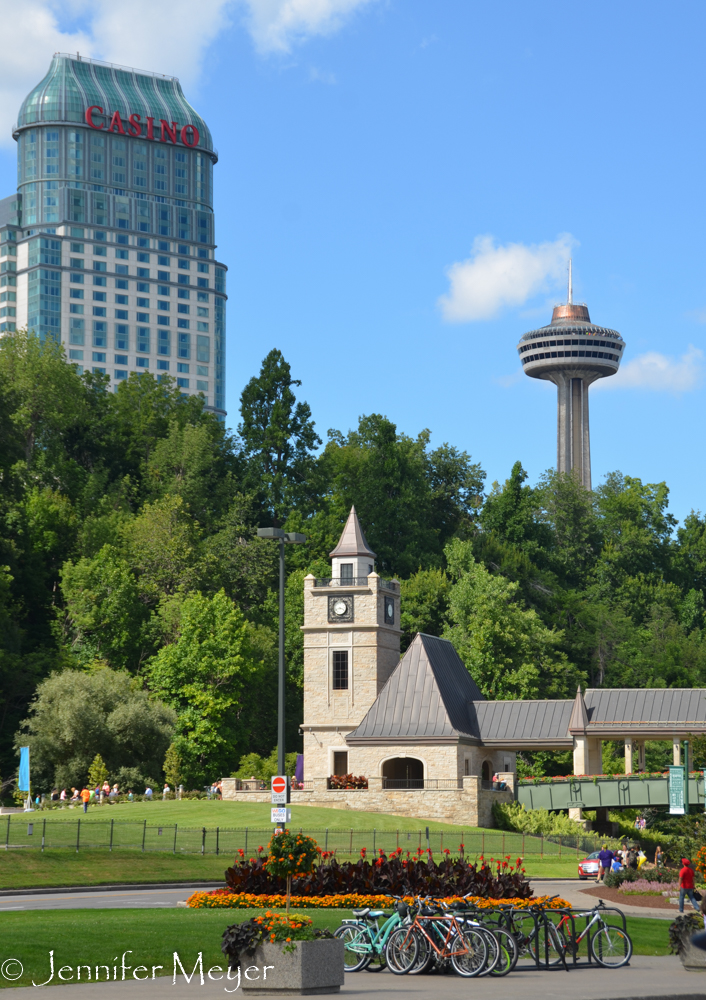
168, 131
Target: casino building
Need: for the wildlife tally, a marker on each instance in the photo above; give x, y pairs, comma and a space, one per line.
109, 243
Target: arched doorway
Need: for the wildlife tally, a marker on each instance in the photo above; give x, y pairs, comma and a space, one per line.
403, 772
486, 775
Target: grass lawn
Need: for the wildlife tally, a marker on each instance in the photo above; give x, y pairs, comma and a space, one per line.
96, 937
232, 815
174, 833
34, 869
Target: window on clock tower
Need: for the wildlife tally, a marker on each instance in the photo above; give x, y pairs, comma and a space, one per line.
346, 572
340, 670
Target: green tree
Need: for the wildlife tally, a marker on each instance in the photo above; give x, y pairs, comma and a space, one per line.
97, 772
424, 602
105, 617
77, 715
209, 676
172, 766
411, 500
278, 439
509, 652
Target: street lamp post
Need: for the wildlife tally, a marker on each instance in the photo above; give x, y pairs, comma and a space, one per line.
295, 538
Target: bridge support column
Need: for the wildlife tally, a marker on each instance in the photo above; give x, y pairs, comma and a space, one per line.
641, 755
676, 750
587, 755
628, 754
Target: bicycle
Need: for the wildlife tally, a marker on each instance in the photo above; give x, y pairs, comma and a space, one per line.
365, 940
500, 939
436, 937
609, 945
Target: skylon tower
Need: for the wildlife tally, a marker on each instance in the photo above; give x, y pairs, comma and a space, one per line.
572, 352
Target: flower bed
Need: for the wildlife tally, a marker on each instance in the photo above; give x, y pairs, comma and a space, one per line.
393, 875
643, 887
225, 899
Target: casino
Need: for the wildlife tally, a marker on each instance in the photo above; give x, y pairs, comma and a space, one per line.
108, 245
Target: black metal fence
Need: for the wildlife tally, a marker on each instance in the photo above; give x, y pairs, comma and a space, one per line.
21, 832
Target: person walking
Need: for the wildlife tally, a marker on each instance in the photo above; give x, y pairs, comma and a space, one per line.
85, 798
686, 885
165, 792
659, 857
605, 858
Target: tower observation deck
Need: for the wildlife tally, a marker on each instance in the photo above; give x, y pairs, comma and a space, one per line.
572, 352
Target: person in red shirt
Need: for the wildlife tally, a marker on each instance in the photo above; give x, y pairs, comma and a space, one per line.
686, 885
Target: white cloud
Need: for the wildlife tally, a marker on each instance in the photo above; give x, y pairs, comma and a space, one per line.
166, 36
277, 25
658, 372
498, 276
31, 37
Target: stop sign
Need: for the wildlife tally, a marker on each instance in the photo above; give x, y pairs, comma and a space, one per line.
279, 785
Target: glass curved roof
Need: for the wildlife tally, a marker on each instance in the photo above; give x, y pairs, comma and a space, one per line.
73, 84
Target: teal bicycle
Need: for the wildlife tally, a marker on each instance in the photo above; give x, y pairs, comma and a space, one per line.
365, 938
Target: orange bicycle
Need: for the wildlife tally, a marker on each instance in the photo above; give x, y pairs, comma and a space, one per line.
433, 934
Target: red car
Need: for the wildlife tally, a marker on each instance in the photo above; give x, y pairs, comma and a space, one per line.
588, 868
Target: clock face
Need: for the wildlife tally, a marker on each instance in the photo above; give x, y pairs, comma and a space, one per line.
389, 611
340, 607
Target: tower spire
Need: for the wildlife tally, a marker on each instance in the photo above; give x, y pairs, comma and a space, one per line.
570, 298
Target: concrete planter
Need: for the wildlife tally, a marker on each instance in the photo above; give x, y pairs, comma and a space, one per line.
693, 959
316, 967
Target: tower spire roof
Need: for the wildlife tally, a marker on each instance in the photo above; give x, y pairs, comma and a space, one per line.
352, 541
579, 716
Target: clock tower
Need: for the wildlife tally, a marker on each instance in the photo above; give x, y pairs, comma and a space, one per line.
351, 646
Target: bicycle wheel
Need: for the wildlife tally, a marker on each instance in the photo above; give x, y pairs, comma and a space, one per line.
425, 956
472, 960
401, 950
493, 947
509, 952
356, 946
549, 943
523, 930
611, 946
378, 962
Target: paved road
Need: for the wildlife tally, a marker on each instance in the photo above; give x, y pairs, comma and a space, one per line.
655, 978
126, 898
100, 899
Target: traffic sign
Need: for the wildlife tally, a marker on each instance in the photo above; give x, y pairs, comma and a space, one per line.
280, 790
280, 815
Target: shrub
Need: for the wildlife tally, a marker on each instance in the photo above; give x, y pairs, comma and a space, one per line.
244, 938
291, 855
388, 875
660, 875
514, 816
681, 930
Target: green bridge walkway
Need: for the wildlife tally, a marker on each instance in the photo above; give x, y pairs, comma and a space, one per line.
596, 792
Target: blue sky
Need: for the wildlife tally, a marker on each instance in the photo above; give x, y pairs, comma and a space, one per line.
368, 146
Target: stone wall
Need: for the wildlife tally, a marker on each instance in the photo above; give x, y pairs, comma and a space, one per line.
468, 806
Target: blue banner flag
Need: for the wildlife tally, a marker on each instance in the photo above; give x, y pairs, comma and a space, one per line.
23, 784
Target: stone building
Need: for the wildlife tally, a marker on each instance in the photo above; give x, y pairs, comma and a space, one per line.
418, 729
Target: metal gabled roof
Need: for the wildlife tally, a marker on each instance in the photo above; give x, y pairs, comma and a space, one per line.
537, 721
427, 698
656, 707
352, 541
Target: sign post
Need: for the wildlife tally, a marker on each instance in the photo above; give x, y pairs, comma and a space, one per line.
676, 790
280, 797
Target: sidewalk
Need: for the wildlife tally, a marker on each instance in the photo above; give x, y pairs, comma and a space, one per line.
571, 890
660, 978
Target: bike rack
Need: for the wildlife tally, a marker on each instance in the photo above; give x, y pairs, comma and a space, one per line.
541, 919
